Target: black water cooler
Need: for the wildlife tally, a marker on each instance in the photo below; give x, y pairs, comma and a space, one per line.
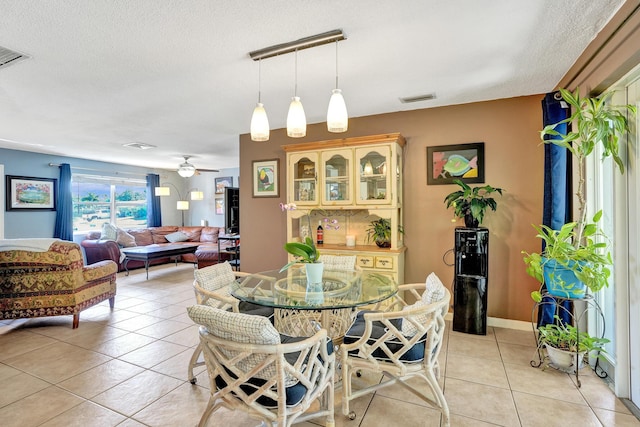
470, 282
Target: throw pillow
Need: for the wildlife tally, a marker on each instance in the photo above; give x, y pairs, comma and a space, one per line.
125, 239
109, 232
178, 236
434, 289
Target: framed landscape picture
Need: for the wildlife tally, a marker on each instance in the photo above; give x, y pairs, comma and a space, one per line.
223, 182
265, 178
446, 163
27, 193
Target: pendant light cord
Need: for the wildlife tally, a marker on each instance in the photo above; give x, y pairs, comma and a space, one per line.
295, 87
259, 80
337, 65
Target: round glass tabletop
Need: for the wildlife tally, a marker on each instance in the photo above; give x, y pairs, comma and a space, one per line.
338, 289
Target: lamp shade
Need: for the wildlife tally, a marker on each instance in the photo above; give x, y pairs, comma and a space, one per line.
337, 117
186, 170
162, 191
197, 195
182, 205
296, 120
259, 124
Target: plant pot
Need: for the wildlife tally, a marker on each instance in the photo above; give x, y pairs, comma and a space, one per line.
315, 291
470, 221
565, 360
562, 281
314, 272
383, 243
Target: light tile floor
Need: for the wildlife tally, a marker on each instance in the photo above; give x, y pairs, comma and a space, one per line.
129, 368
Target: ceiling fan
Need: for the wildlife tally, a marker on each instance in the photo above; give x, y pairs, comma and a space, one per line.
187, 169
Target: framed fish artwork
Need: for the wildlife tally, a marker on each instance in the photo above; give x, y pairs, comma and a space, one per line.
446, 163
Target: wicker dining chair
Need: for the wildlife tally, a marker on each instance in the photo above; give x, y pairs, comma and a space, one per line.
254, 369
400, 344
212, 287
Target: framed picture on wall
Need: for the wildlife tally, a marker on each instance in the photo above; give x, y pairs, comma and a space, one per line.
265, 178
223, 182
446, 163
27, 193
219, 206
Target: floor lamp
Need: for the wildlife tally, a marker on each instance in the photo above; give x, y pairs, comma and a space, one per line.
182, 204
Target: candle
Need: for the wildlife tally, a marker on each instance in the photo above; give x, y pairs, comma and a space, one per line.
351, 240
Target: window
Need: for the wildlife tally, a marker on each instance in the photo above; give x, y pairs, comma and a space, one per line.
100, 199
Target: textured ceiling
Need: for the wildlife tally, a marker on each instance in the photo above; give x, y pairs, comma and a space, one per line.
176, 73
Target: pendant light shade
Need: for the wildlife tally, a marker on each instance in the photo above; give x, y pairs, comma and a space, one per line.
259, 124
296, 120
337, 117
259, 120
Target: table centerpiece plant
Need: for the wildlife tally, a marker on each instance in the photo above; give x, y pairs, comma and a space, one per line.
577, 256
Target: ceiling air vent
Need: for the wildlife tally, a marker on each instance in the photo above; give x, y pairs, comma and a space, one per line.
9, 57
418, 98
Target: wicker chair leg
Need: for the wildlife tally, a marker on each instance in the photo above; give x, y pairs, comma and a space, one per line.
193, 363
76, 320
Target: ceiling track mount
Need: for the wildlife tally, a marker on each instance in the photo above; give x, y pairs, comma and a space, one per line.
303, 43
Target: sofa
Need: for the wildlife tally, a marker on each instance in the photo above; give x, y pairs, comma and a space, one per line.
51, 280
98, 248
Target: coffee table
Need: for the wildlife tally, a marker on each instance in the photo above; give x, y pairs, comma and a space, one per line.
147, 253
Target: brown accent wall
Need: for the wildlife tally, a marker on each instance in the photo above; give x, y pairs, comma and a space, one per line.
514, 161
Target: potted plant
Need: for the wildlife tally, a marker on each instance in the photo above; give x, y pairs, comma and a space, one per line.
579, 248
566, 346
471, 203
380, 232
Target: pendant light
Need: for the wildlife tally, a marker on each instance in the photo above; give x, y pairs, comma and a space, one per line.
296, 120
259, 120
337, 116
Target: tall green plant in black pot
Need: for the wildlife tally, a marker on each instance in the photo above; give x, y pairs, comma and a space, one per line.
471, 203
577, 255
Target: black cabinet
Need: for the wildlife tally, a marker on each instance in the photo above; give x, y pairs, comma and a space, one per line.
471, 279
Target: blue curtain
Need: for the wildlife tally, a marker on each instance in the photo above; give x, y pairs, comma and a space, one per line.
154, 216
557, 188
64, 206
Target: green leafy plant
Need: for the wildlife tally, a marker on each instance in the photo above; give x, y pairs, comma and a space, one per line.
590, 260
567, 337
306, 252
471, 203
581, 246
380, 232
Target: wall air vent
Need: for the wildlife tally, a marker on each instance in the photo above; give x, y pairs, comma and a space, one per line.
9, 57
139, 145
418, 98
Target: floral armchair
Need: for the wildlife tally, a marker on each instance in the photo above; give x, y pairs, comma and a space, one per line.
51, 282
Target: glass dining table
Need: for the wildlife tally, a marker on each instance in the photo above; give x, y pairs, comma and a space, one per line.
301, 308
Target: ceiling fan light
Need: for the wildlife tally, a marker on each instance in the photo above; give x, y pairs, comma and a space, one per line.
337, 116
259, 124
296, 120
186, 170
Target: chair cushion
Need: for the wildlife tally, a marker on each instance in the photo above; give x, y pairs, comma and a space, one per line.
255, 309
355, 332
215, 276
294, 394
237, 327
